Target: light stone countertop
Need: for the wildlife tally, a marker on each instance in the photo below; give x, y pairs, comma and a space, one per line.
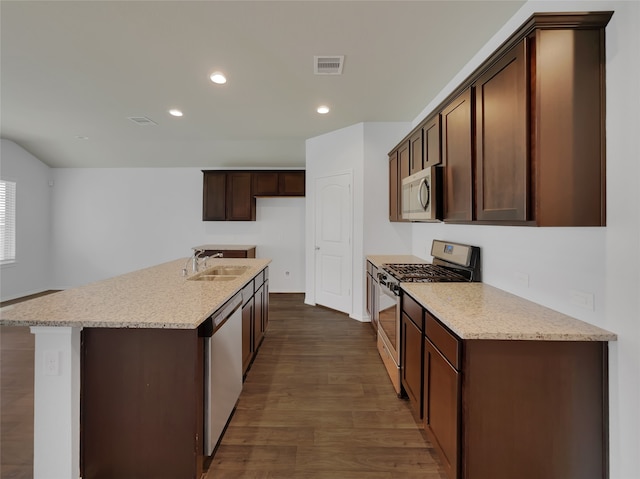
155, 297
480, 311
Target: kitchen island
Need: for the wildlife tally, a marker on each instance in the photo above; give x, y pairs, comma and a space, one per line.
123, 361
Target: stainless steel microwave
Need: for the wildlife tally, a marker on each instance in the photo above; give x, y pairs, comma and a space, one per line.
421, 195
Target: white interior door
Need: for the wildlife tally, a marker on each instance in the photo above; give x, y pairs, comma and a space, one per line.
333, 249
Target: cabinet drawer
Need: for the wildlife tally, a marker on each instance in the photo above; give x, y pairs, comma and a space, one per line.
412, 309
448, 344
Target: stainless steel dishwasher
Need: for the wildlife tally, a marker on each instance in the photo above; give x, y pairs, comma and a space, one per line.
223, 370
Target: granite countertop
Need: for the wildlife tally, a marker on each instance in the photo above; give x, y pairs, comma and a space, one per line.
227, 247
480, 311
380, 259
155, 297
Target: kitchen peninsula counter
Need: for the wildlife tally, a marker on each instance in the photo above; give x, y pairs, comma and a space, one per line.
481, 311
155, 297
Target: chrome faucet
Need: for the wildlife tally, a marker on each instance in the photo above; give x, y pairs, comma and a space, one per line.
194, 259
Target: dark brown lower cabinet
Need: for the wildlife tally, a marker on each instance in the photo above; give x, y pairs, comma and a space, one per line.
533, 409
258, 331
255, 317
142, 394
503, 409
411, 348
247, 334
442, 407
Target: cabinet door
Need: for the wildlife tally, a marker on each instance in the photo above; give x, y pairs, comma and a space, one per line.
247, 335
457, 158
291, 183
214, 194
411, 368
431, 140
502, 174
265, 183
265, 306
416, 152
240, 202
442, 406
394, 190
258, 328
403, 161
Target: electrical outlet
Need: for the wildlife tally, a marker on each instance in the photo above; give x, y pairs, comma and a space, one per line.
51, 363
522, 278
583, 299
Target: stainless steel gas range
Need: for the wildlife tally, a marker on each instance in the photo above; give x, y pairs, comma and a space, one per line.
452, 262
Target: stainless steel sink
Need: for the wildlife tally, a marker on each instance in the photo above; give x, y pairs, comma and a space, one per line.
225, 270
209, 277
219, 273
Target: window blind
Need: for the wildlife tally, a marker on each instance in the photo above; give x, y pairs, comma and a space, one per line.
7, 221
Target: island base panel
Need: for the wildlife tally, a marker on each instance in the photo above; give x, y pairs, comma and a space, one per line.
141, 403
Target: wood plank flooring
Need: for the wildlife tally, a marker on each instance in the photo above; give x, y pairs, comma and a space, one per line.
317, 403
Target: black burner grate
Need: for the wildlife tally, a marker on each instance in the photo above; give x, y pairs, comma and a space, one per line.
423, 273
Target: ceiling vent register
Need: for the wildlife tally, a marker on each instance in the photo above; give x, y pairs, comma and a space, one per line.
142, 120
328, 65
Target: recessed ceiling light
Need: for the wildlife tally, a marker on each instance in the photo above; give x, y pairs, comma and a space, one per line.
323, 109
219, 78
175, 112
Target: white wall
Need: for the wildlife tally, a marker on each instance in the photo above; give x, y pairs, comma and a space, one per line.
361, 149
115, 220
601, 261
30, 273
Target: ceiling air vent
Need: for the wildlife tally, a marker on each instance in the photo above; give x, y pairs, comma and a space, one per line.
328, 65
142, 120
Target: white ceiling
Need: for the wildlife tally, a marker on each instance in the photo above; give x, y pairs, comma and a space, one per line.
74, 69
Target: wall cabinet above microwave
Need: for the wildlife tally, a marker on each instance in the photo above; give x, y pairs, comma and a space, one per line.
522, 139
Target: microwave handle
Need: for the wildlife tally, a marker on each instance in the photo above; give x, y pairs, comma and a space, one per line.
426, 185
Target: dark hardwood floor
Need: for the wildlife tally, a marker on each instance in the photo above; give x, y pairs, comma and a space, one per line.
317, 403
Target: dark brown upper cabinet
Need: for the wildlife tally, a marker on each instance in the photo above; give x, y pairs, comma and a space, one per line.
502, 173
416, 152
567, 102
394, 187
457, 158
279, 183
404, 161
227, 196
230, 195
431, 142
522, 139
241, 205
214, 194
